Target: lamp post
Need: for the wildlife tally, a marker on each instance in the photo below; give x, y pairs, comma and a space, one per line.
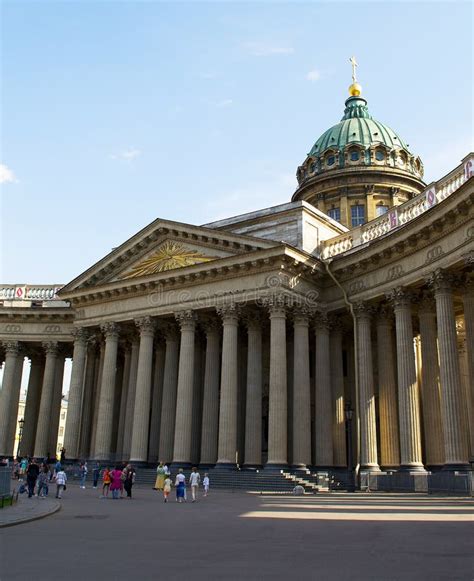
21, 423
348, 412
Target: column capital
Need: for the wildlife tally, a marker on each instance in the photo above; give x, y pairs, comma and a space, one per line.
11, 347
426, 304
400, 298
110, 330
211, 325
230, 313
186, 319
146, 325
51, 348
441, 281
169, 330
80, 335
321, 321
363, 310
336, 324
277, 305
301, 314
385, 315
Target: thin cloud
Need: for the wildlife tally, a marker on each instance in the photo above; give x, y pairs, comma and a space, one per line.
313, 76
257, 48
127, 155
224, 103
6, 175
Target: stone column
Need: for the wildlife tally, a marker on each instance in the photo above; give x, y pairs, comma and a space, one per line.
337, 388
168, 404
227, 444
46, 403
323, 396
277, 405
141, 413
76, 391
8, 395
387, 377
157, 395
468, 304
301, 390
455, 437
87, 408
103, 440
184, 403
430, 394
253, 413
13, 423
131, 391
408, 399
33, 396
96, 397
123, 400
368, 429
56, 406
210, 409
198, 385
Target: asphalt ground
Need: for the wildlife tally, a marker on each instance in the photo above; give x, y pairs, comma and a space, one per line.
234, 536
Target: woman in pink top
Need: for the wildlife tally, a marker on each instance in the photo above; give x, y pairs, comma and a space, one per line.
116, 482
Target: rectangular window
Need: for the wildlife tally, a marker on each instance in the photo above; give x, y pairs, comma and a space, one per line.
335, 214
63, 415
380, 210
61, 431
357, 215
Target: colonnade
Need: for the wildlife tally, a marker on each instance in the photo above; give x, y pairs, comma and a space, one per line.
195, 388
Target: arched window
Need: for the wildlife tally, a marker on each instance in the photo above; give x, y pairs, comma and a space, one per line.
354, 155
379, 155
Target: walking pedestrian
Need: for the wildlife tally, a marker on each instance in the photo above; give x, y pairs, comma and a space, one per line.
180, 484
106, 480
205, 483
23, 467
32, 473
95, 475
115, 484
129, 480
160, 477
61, 480
83, 472
194, 480
167, 487
43, 482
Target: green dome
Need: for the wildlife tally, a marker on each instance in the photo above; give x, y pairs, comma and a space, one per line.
358, 127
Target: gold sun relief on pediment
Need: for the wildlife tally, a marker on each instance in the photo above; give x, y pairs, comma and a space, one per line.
168, 256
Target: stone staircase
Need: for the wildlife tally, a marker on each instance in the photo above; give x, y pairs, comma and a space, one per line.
249, 480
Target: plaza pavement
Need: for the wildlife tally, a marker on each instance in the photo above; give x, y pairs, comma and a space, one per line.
234, 536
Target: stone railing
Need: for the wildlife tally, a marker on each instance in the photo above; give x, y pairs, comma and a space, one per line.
29, 293
400, 215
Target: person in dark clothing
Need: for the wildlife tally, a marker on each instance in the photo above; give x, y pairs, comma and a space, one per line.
96, 474
32, 473
129, 480
63, 455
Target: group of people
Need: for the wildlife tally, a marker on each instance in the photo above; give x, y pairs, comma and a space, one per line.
39, 476
116, 481
164, 483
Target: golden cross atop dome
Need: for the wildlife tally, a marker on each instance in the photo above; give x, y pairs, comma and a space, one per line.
355, 89
354, 64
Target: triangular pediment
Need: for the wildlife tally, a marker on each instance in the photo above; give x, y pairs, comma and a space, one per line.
164, 246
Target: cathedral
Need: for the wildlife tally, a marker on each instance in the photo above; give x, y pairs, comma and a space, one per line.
253, 340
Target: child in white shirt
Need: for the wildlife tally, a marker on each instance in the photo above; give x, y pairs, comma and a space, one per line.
205, 483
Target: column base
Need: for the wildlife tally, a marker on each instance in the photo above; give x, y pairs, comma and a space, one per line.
416, 468
138, 463
302, 467
459, 467
370, 468
276, 467
206, 465
226, 465
183, 465
252, 466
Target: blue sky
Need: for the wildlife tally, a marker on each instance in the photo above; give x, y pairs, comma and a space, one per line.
116, 113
